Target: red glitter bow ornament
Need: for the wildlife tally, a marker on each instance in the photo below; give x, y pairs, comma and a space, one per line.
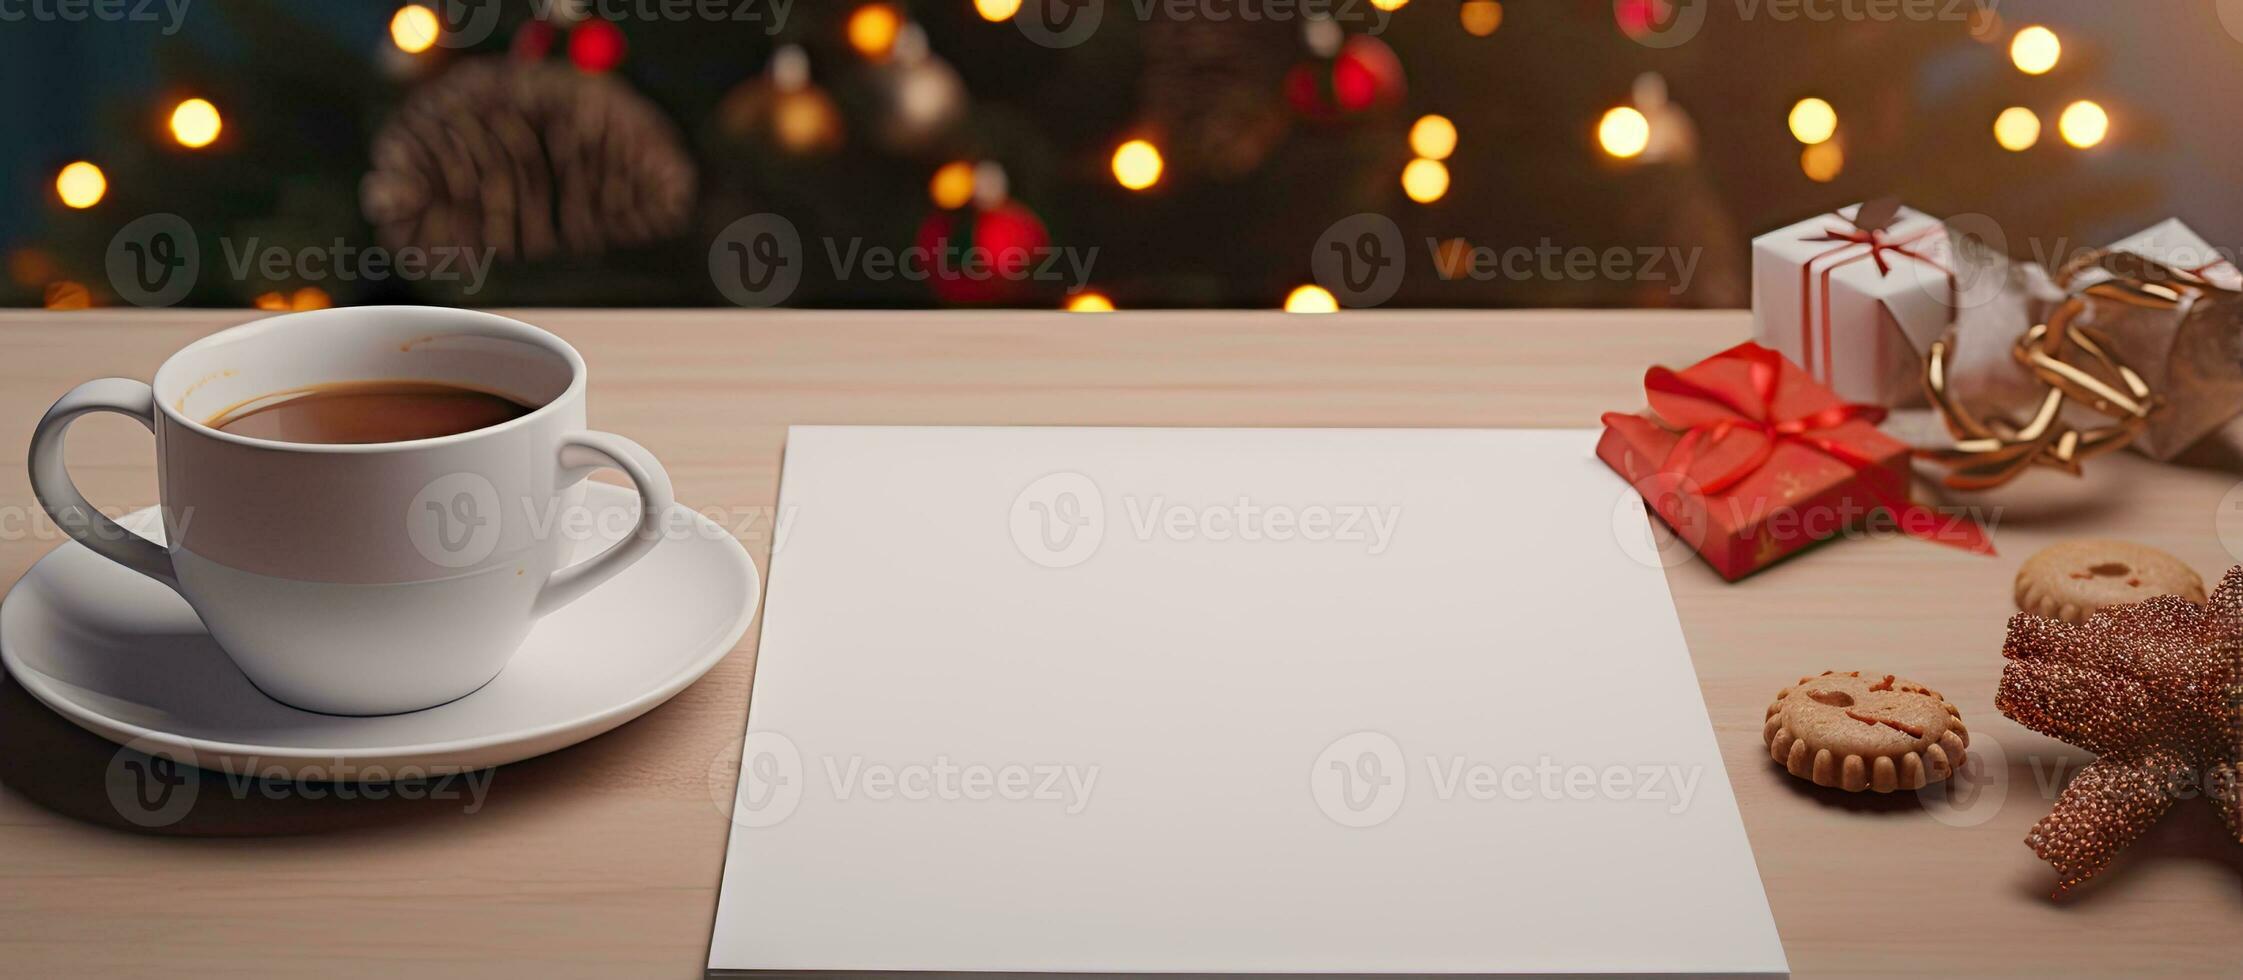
1726, 439
2153, 689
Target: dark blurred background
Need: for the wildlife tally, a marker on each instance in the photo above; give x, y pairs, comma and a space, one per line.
1143, 153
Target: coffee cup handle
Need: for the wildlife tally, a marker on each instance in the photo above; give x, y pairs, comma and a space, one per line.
580, 453
50, 478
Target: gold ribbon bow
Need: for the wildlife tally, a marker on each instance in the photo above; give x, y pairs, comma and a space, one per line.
2075, 362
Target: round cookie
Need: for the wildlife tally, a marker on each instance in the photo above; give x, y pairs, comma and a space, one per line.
1854, 733
2073, 580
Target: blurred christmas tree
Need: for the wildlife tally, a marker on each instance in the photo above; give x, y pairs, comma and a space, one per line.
598, 159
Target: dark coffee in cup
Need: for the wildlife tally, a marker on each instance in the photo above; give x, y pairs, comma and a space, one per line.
368, 411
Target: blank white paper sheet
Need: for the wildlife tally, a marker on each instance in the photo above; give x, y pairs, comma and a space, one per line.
1226, 702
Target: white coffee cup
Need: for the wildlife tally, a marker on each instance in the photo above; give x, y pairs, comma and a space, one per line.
363, 579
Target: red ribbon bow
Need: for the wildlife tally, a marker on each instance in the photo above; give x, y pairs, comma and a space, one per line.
1709, 418
1879, 244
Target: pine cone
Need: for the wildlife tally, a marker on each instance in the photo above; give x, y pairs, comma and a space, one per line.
1211, 88
530, 159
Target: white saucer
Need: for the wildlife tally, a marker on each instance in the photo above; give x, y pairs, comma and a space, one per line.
127, 659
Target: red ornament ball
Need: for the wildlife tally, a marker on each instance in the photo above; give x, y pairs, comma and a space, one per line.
596, 46
983, 255
1638, 18
1363, 76
533, 41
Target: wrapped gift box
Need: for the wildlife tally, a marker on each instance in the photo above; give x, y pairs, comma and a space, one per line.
1749, 460
1856, 304
2187, 343
2174, 244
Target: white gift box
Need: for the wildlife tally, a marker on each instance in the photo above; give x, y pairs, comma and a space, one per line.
1856, 307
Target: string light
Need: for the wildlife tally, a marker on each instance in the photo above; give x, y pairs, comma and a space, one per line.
195, 123
63, 294
991, 187
30, 267
414, 28
873, 28
1137, 164
1822, 162
1425, 180
1310, 299
1452, 259
1813, 121
1433, 137
2017, 129
1089, 302
995, 11
952, 185
81, 185
307, 298
2035, 50
2084, 124
1480, 17
1624, 132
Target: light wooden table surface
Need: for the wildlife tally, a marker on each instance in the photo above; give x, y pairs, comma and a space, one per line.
602, 860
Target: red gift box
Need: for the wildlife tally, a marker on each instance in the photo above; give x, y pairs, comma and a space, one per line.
1749, 459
